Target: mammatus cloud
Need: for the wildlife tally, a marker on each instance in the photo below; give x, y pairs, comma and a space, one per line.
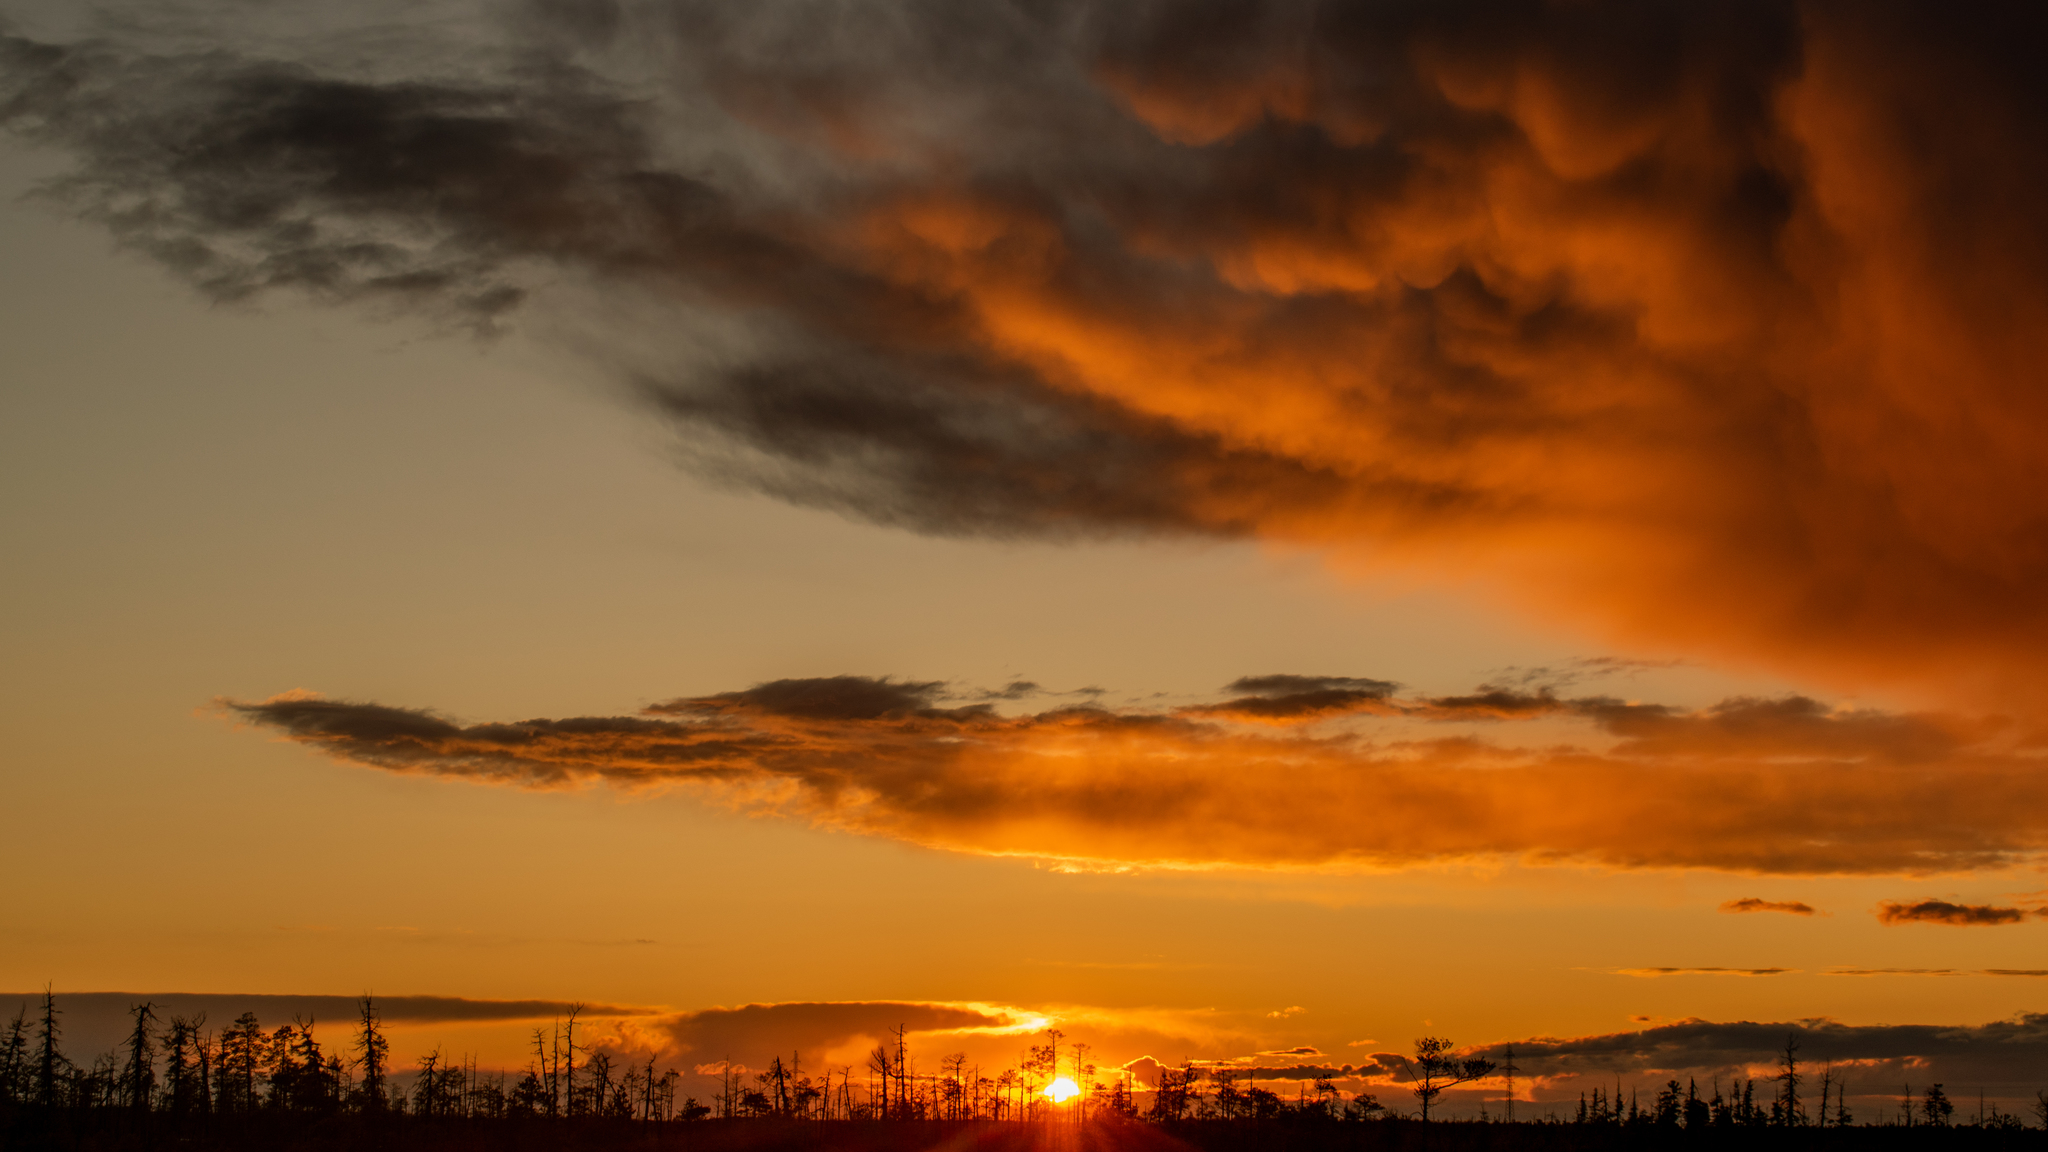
1747, 785
1710, 325
1758, 904
1943, 912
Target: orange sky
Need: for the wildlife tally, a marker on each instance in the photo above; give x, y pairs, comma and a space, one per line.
1233, 528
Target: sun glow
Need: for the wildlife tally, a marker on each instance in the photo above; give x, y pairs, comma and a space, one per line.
1062, 1090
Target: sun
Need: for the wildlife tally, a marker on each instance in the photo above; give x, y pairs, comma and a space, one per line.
1062, 1090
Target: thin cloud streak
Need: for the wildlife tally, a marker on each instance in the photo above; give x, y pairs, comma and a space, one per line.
1783, 786
1758, 904
1653, 973
2029, 972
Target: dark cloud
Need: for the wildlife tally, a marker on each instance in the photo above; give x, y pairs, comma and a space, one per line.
2005, 1058
1759, 904
1289, 699
1244, 1072
1284, 684
1014, 690
751, 1033
1747, 785
1710, 325
1493, 704
1943, 912
820, 698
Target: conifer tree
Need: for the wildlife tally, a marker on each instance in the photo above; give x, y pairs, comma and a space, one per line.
138, 1077
50, 1058
14, 1058
372, 1055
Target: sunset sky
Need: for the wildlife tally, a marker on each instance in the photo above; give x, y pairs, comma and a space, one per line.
1248, 531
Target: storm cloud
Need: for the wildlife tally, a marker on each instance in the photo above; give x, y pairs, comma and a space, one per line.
1709, 326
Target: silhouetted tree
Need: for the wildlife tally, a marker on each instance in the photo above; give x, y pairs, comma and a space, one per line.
1507, 1072
138, 1077
50, 1062
569, 1060
14, 1059
1436, 1068
1935, 1108
372, 1055
1668, 1110
182, 1083
1786, 1107
1171, 1100
242, 1057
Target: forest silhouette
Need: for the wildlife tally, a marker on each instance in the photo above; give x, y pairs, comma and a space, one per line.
177, 1082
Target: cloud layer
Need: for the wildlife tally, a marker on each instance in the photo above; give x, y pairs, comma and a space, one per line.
2003, 1058
1781, 785
1713, 326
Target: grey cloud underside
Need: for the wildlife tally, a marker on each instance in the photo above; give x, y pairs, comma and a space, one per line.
1209, 783
750, 1032
1703, 323
247, 177
2003, 1057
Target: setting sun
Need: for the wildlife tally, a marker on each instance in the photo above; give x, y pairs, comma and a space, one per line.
1062, 1090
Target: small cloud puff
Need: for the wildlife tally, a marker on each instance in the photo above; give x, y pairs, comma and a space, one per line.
1756, 904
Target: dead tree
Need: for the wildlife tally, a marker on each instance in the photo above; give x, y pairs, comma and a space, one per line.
1788, 1095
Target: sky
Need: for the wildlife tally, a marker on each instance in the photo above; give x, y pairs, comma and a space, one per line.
1248, 532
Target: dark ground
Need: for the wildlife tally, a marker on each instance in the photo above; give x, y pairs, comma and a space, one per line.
114, 1132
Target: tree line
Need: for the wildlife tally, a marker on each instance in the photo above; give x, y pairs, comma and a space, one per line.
176, 1067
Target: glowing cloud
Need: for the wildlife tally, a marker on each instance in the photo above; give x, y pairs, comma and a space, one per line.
1747, 785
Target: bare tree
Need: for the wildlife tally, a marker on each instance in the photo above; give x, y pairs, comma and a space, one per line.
1788, 1092
569, 1065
